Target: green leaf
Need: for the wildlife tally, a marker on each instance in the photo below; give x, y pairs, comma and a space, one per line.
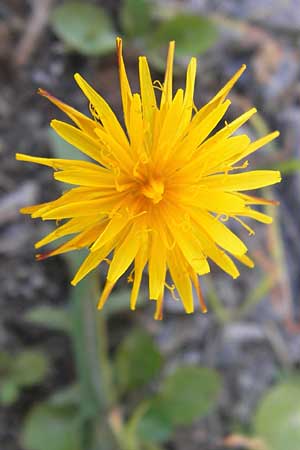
193, 34
138, 360
51, 428
25, 369
6, 361
187, 394
277, 420
68, 396
287, 167
30, 368
84, 27
135, 16
9, 392
49, 317
155, 426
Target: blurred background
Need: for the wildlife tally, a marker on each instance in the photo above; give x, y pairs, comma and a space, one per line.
72, 378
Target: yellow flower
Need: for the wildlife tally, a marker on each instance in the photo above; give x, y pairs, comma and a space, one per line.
159, 192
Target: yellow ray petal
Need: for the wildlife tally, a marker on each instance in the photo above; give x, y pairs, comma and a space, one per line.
92, 261
85, 123
157, 266
139, 265
78, 209
181, 279
148, 96
243, 181
101, 179
72, 226
167, 92
115, 151
124, 84
124, 255
191, 248
196, 283
171, 128
212, 200
257, 215
188, 103
231, 127
83, 239
222, 94
107, 117
159, 306
57, 163
136, 132
256, 145
223, 261
78, 139
118, 223
105, 294
219, 233
246, 260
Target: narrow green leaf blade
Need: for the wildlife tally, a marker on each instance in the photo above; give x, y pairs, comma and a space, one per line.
49, 317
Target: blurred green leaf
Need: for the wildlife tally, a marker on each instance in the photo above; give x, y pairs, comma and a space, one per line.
49, 317
25, 369
138, 360
84, 27
155, 426
6, 361
193, 34
30, 368
190, 393
9, 392
68, 396
187, 394
277, 420
288, 167
48, 427
135, 16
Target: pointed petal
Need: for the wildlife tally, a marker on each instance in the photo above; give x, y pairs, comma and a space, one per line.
107, 117
124, 84
167, 93
243, 181
85, 123
124, 255
157, 266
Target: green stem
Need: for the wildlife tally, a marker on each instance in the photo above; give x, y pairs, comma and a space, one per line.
89, 338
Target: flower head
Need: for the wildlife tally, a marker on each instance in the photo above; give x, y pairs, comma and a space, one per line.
154, 195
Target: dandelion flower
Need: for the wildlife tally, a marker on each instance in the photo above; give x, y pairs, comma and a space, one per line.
157, 193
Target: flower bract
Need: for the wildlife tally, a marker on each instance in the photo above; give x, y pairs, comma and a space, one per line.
158, 193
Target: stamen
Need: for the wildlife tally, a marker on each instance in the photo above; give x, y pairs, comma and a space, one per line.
172, 289
223, 217
243, 166
250, 230
158, 85
130, 278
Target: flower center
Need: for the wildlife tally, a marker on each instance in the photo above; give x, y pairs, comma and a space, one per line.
154, 189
